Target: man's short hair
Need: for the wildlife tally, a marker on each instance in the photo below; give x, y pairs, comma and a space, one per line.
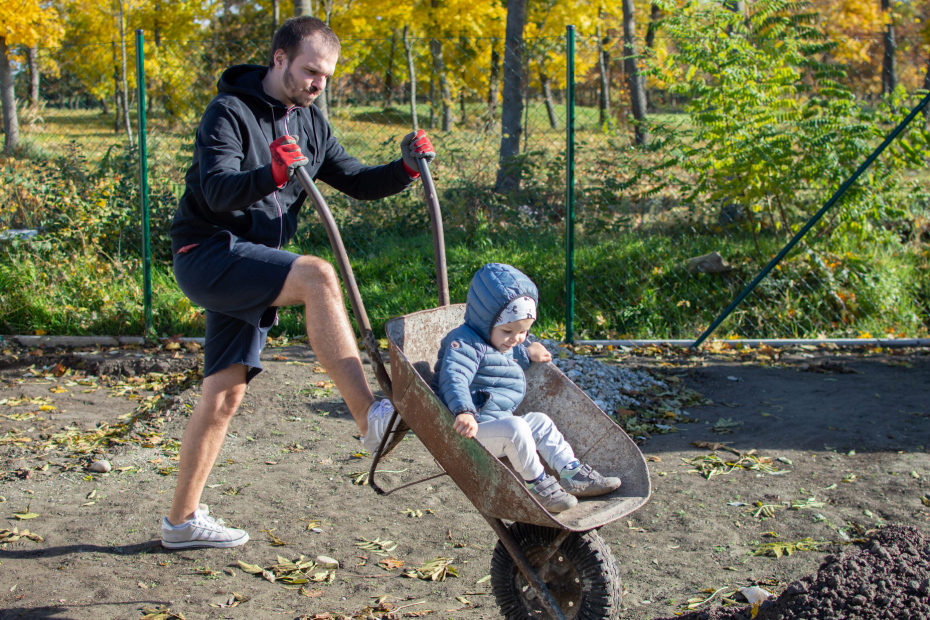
294, 31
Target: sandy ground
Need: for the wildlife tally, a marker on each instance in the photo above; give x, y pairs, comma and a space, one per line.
854, 436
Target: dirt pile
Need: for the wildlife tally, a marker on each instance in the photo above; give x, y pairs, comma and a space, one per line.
886, 578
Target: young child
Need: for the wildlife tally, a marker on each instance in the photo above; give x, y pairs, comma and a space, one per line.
479, 376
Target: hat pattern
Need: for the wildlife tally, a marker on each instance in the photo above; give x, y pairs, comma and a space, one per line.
517, 310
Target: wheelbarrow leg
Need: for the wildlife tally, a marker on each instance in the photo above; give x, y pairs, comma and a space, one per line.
376, 458
513, 548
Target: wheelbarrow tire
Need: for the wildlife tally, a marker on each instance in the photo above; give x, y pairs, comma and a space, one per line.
582, 576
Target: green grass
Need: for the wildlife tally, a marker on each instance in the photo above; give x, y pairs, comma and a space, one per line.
628, 285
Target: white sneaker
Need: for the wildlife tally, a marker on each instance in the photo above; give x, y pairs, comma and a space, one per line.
201, 531
379, 414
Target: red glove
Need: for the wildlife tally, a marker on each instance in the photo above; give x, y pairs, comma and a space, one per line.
416, 146
285, 159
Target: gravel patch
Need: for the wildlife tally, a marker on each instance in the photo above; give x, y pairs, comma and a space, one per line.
610, 386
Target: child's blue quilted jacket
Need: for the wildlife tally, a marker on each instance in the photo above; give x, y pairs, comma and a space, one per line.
470, 375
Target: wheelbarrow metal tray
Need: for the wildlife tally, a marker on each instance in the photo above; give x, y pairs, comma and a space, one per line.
488, 483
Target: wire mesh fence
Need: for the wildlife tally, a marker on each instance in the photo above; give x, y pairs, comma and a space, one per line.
667, 232
736, 162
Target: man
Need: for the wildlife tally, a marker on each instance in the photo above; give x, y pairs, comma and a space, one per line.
239, 208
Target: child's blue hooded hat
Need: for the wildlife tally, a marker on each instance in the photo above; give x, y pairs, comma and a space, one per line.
492, 288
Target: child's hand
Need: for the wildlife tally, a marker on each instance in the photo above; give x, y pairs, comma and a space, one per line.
466, 425
538, 353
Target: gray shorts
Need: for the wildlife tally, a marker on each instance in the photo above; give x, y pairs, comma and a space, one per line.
235, 281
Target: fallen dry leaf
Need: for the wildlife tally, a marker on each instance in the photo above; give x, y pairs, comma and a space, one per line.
311, 593
710, 445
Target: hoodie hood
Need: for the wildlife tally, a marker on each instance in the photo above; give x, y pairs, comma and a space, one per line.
493, 287
246, 81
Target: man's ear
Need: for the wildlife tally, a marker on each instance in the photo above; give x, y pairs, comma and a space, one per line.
280, 58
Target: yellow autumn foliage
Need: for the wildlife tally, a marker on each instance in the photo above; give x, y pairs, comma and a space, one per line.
28, 23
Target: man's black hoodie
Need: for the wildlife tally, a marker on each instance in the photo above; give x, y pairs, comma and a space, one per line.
230, 186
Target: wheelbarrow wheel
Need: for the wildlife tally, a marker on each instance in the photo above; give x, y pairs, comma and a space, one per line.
582, 576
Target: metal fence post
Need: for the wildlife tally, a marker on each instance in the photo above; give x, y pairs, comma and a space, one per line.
570, 185
144, 185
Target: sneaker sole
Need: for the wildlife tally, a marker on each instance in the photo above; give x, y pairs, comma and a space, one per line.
593, 492
225, 544
556, 510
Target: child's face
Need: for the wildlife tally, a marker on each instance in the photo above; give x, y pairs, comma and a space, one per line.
507, 336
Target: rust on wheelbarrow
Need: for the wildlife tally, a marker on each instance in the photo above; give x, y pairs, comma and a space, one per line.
494, 489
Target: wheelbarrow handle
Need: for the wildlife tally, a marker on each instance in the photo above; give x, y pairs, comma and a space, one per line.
439, 242
348, 278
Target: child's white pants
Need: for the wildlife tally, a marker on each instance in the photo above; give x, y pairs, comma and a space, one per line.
519, 437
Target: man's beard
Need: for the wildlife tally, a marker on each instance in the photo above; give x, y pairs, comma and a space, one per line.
295, 93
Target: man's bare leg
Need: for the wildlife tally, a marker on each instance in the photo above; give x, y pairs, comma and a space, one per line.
314, 283
203, 438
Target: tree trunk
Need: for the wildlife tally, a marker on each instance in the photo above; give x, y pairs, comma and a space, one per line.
441, 83
125, 85
494, 83
389, 74
889, 74
546, 82
8, 99
275, 16
462, 108
634, 78
303, 7
432, 99
603, 68
156, 89
411, 72
512, 110
116, 105
655, 13
445, 90
32, 59
464, 47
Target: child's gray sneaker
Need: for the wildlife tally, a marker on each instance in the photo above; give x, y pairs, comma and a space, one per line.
548, 493
201, 531
585, 482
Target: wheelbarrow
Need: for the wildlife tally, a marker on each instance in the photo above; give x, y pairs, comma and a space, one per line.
545, 565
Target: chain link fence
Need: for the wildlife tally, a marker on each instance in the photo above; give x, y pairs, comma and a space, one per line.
670, 233
667, 232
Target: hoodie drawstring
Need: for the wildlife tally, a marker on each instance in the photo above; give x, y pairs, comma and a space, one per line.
275, 194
